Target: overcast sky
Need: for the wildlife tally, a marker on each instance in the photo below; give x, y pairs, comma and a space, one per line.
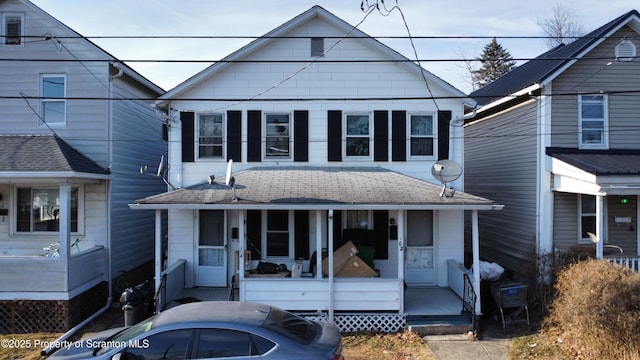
499, 18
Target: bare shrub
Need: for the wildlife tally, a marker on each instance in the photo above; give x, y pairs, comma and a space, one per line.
596, 311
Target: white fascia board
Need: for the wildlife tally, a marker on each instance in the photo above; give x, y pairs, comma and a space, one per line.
570, 179
314, 207
15, 177
510, 97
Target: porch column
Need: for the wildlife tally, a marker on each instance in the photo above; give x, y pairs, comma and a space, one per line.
401, 247
64, 219
600, 226
330, 257
318, 263
475, 249
158, 260
241, 246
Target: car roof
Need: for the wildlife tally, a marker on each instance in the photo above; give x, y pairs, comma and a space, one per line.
214, 311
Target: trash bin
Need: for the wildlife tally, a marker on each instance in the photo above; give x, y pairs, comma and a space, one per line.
136, 302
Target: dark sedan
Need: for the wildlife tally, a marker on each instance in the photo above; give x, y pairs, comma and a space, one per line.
213, 330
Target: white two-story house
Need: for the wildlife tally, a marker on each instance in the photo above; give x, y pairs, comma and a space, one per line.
332, 137
72, 140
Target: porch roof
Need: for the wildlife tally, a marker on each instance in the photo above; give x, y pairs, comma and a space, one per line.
44, 156
316, 188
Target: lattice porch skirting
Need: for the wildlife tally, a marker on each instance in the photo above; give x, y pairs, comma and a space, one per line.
362, 322
28, 316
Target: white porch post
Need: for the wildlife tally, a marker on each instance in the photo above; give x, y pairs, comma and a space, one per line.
241, 246
318, 263
475, 248
600, 226
158, 260
64, 219
401, 246
330, 257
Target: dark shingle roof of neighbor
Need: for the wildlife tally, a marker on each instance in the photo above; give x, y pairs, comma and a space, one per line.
600, 162
43, 153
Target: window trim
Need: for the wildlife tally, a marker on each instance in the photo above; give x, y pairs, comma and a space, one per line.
14, 204
434, 136
265, 155
605, 123
223, 136
345, 136
290, 230
63, 100
5, 24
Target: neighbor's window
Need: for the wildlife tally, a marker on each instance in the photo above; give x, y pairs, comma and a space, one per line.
53, 99
587, 216
277, 136
593, 121
13, 29
278, 233
358, 135
421, 137
39, 210
210, 135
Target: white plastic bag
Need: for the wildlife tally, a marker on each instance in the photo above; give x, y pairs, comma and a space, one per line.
490, 271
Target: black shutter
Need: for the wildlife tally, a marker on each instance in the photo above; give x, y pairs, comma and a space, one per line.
399, 135
188, 133
381, 230
301, 135
381, 135
234, 130
254, 233
301, 234
444, 117
334, 140
337, 230
254, 135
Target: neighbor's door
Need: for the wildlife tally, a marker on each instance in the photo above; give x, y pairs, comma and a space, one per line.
419, 255
212, 250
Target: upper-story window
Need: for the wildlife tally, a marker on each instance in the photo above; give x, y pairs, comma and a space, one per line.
593, 121
54, 105
277, 136
211, 136
421, 137
12, 25
358, 136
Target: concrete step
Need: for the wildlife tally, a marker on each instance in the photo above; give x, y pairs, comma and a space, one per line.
440, 325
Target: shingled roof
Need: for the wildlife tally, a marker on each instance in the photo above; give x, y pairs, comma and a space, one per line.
546, 65
331, 187
43, 153
600, 162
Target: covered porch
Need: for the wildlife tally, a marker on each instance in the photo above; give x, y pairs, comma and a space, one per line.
410, 271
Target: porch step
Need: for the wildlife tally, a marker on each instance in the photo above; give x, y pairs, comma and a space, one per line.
439, 324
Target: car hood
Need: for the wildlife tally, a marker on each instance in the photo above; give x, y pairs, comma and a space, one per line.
83, 348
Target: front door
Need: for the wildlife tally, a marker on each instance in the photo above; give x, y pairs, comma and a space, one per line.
212, 250
419, 255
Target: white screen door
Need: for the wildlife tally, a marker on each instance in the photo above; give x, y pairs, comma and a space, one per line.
212, 251
419, 256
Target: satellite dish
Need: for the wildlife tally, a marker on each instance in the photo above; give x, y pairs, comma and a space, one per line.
228, 177
160, 167
446, 171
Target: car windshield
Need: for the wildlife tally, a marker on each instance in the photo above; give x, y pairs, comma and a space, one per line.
124, 336
292, 326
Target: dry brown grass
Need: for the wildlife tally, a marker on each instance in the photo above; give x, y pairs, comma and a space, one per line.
596, 311
398, 346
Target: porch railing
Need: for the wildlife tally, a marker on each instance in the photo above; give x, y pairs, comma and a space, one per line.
630, 262
469, 300
172, 282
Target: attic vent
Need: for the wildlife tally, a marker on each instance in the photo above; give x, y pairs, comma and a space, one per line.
317, 46
13, 30
625, 51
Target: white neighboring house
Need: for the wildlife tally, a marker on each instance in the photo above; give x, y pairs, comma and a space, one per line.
70, 152
333, 136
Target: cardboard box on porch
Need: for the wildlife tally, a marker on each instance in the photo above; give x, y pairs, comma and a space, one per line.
346, 263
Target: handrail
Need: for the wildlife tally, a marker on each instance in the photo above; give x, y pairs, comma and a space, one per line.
469, 300
162, 288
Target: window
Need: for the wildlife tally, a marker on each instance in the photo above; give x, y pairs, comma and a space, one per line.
421, 137
358, 135
593, 121
278, 244
587, 216
222, 343
317, 46
53, 102
210, 136
165, 345
277, 138
13, 29
39, 210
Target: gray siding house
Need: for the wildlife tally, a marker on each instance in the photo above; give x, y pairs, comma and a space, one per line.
72, 141
557, 141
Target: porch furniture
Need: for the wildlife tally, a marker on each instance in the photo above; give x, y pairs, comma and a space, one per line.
513, 296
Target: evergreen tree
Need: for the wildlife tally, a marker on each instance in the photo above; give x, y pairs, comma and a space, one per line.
496, 61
